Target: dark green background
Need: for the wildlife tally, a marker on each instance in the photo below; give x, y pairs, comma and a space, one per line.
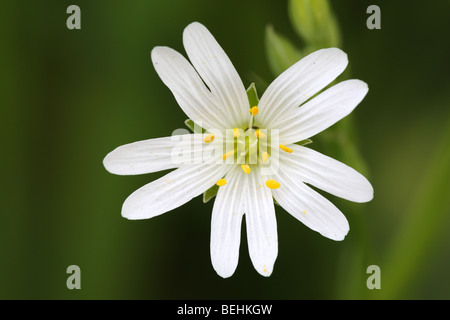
68, 97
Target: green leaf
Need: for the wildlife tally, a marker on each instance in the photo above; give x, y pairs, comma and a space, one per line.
281, 53
315, 23
193, 126
252, 95
210, 193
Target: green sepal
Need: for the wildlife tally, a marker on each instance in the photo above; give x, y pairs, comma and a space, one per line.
193, 126
304, 142
210, 193
252, 95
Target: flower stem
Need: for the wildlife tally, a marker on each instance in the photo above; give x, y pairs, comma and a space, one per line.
425, 224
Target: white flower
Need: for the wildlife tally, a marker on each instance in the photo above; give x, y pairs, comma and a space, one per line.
222, 104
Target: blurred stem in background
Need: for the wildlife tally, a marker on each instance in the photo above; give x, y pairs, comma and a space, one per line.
315, 23
425, 220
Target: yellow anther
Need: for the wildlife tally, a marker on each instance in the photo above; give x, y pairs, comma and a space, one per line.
304, 212
259, 134
254, 111
221, 182
226, 155
208, 138
236, 132
272, 184
245, 168
286, 149
265, 156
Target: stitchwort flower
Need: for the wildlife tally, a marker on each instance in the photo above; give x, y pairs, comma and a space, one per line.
248, 150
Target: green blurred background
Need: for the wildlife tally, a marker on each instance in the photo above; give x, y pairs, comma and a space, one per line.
68, 97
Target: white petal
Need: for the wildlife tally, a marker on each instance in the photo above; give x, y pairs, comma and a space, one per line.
219, 74
226, 224
261, 223
299, 83
156, 154
323, 111
327, 174
310, 207
172, 190
188, 89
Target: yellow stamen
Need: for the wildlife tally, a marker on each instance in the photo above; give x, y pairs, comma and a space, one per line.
259, 134
236, 133
265, 156
286, 149
209, 138
226, 155
245, 168
254, 111
221, 182
272, 184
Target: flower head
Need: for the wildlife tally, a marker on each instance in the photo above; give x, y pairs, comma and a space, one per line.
249, 151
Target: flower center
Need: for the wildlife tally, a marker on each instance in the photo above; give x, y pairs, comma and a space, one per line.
250, 146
